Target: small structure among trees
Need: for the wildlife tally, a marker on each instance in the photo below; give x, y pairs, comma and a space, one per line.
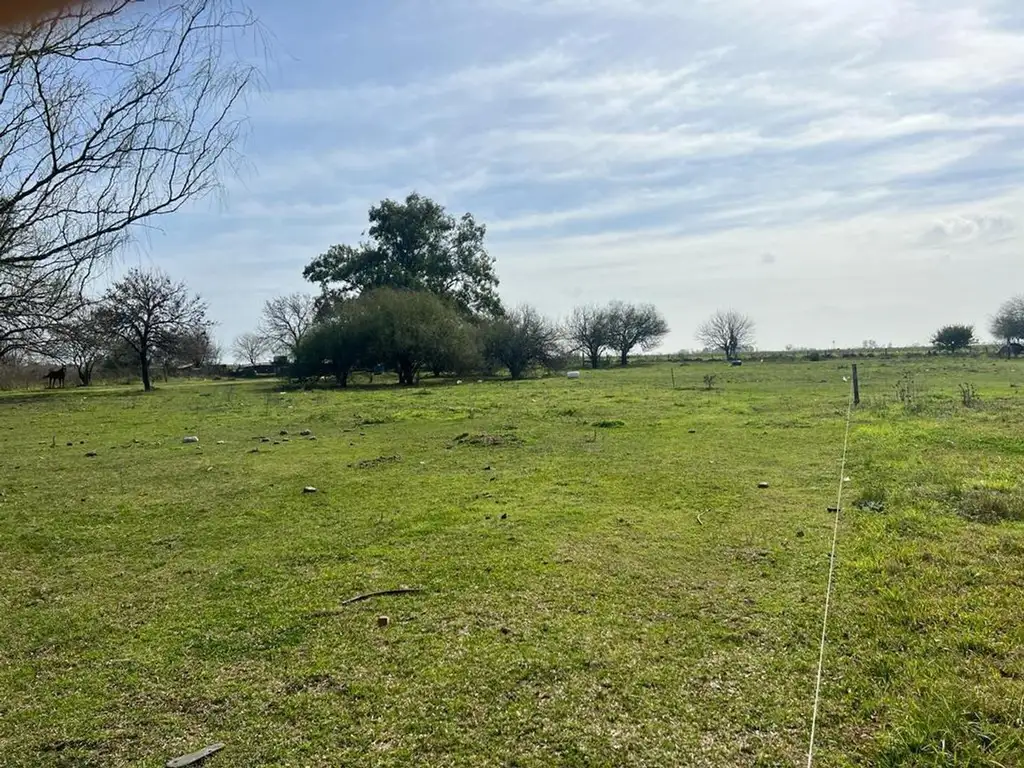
1008, 325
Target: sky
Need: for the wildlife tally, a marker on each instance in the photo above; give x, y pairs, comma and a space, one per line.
840, 170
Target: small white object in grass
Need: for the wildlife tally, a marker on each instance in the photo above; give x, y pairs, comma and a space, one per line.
190, 439
459, 381
309, 489
845, 379
221, 442
846, 479
572, 375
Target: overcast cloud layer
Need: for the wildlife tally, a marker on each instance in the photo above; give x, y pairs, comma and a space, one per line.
839, 169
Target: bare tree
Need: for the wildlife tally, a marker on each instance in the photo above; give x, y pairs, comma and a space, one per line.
634, 325
152, 315
82, 340
587, 329
112, 113
196, 348
286, 319
520, 339
250, 347
727, 330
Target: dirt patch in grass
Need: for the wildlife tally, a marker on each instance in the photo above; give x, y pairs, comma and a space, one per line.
377, 462
485, 439
989, 505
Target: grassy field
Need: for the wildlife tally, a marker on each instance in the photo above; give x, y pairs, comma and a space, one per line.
603, 582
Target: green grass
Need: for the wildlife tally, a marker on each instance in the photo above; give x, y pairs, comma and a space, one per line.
603, 582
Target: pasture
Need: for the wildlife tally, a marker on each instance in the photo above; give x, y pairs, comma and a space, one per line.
603, 581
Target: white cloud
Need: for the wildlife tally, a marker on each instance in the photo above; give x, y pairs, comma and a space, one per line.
664, 148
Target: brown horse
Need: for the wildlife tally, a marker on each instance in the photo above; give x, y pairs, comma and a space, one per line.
55, 377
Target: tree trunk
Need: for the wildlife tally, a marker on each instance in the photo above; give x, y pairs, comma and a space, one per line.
342, 377
405, 373
146, 383
595, 358
624, 359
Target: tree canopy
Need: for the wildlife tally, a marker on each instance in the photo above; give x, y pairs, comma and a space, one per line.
634, 325
728, 331
1008, 322
521, 339
413, 245
953, 338
154, 316
588, 330
285, 321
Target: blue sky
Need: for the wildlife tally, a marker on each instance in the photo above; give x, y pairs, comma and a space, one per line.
838, 169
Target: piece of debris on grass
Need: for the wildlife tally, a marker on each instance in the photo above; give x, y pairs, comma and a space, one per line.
283, 432
91, 455
309, 489
194, 757
306, 432
365, 596
762, 484
383, 621
834, 509
190, 439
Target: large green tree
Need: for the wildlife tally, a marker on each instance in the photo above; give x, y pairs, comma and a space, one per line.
336, 345
413, 245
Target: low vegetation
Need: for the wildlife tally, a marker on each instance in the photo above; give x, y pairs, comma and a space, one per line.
600, 596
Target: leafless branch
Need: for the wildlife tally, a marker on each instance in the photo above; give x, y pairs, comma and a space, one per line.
111, 113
